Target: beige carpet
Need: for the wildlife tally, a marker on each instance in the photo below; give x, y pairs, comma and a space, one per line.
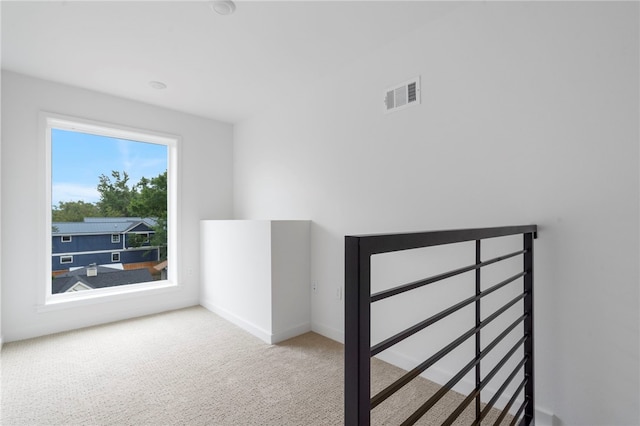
186, 367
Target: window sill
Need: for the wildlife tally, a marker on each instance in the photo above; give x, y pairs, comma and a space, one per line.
92, 297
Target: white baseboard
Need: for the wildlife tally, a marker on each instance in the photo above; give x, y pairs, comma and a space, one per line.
259, 332
329, 332
280, 336
262, 334
543, 417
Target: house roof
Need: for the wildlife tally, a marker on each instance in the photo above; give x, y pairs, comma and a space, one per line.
107, 277
101, 225
149, 220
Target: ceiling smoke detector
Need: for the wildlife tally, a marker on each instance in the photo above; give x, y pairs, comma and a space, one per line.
223, 7
157, 85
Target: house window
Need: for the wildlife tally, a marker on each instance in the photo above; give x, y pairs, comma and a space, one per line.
108, 181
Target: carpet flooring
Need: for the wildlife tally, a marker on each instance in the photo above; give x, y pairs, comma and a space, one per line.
189, 367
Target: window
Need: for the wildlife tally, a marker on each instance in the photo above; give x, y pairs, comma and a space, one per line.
106, 181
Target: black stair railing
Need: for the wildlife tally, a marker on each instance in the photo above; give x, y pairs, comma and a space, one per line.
358, 349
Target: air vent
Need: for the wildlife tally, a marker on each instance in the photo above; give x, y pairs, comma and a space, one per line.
402, 95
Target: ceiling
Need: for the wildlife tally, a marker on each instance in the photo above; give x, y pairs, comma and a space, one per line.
222, 67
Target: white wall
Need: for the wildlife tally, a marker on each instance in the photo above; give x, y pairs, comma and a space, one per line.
1, 335
529, 115
236, 273
205, 180
291, 286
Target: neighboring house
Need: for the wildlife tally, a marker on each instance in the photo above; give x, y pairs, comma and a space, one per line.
103, 241
93, 277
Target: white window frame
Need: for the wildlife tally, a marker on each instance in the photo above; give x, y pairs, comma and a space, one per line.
115, 238
66, 256
114, 255
62, 238
47, 300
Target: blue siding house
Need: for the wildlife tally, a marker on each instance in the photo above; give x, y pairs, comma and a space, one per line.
102, 241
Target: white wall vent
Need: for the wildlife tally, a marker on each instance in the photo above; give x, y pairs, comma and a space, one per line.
403, 95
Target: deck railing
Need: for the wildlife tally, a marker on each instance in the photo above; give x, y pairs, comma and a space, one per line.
358, 349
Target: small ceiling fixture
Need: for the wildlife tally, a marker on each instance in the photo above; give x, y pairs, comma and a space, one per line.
158, 85
223, 7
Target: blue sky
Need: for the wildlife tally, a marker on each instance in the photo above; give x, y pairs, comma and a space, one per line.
78, 159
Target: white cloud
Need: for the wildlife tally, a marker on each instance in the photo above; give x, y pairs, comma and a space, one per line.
73, 192
125, 153
137, 165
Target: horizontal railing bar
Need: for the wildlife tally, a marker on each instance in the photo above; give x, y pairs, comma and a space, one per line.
439, 394
463, 405
517, 415
420, 283
449, 385
387, 343
507, 407
499, 392
402, 381
385, 243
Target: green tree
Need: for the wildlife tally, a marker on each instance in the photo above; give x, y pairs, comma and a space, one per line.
151, 201
73, 211
159, 238
115, 195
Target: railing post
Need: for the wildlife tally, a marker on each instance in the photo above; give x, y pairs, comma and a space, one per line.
357, 352
529, 413
478, 318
